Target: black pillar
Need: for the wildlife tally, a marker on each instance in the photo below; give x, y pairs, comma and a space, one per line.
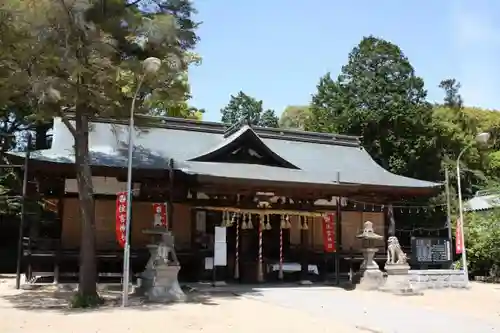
20, 252
391, 228
170, 205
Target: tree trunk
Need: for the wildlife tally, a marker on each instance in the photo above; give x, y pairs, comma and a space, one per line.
88, 275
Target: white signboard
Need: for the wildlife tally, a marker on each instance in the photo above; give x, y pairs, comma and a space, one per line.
220, 250
220, 247
220, 235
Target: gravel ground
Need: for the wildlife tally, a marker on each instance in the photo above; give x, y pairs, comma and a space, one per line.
290, 309
457, 311
45, 310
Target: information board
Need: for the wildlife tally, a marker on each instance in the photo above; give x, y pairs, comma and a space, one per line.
427, 250
220, 247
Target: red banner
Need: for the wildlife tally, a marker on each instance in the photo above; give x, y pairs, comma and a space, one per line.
458, 238
160, 215
121, 217
329, 233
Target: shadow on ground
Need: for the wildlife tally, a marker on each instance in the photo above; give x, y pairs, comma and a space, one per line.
57, 298
52, 298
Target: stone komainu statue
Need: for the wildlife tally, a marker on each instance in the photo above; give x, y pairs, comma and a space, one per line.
394, 253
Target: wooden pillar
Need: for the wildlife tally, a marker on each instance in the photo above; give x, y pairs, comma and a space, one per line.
170, 205
60, 215
391, 222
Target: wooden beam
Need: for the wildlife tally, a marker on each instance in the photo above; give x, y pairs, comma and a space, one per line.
262, 211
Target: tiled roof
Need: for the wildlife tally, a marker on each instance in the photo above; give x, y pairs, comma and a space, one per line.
482, 202
319, 158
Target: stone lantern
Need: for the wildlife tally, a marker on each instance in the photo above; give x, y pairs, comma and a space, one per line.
371, 276
159, 280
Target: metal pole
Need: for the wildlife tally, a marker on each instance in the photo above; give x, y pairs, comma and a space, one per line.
126, 249
20, 252
448, 212
460, 207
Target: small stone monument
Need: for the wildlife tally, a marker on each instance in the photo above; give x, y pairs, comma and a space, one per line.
396, 266
159, 280
371, 276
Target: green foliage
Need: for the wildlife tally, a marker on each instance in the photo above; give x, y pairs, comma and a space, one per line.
244, 107
10, 188
295, 117
482, 241
378, 96
100, 41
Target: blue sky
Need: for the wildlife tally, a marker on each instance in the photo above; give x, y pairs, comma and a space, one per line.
276, 50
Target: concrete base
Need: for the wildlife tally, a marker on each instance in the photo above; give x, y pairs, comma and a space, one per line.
438, 279
164, 287
398, 281
371, 279
305, 283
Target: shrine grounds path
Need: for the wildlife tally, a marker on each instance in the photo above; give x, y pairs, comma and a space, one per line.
290, 309
476, 310
45, 310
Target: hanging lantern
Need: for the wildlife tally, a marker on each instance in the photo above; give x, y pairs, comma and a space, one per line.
304, 225
268, 224
283, 222
223, 222
249, 222
244, 218
233, 219
262, 222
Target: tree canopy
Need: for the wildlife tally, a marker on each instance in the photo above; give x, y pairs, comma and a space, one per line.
295, 117
85, 58
242, 107
378, 97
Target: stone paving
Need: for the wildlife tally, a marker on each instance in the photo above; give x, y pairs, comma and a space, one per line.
377, 312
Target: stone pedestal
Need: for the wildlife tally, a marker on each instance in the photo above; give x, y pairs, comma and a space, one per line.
398, 280
159, 281
371, 276
165, 287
